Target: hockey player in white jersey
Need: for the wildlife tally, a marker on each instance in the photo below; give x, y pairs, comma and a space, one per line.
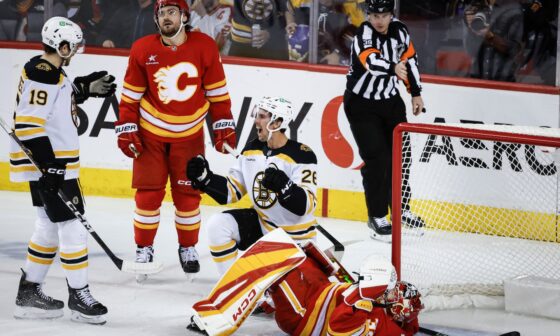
279, 175
46, 121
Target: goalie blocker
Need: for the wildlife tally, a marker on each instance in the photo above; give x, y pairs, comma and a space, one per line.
307, 303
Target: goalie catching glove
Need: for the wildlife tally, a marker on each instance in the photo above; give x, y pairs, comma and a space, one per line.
96, 84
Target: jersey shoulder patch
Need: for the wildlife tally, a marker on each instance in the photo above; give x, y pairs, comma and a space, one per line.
300, 153
40, 70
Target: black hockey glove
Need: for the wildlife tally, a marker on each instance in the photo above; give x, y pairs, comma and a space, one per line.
277, 181
96, 84
198, 171
53, 177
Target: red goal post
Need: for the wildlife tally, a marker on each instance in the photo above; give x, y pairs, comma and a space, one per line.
489, 197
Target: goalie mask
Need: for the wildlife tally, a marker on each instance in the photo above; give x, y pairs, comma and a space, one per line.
377, 279
58, 30
407, 304
279, 108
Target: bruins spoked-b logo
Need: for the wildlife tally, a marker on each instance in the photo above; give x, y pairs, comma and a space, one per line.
263, 197
258, 10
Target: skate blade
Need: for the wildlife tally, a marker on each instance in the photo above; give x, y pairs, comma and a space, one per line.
414, 232
82, 318
141, 278
142, 268
32, 313
383, 238
190, 276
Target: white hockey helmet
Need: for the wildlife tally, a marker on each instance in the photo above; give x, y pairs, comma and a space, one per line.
279, 108
59, 29
377, 277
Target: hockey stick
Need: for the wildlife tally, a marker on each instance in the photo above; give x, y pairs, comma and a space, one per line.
437, 333
338, 247
123, 265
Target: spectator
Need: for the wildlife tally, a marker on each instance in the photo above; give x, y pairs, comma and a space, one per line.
117, 31
540, 36
494, 38
213, 19
338, 22
258, 29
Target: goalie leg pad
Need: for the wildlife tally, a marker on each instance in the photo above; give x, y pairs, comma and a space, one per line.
235, 295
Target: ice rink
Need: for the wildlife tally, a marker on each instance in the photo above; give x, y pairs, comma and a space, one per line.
160, 305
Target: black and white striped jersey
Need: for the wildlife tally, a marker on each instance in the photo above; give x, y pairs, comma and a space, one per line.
45, 121
373, 59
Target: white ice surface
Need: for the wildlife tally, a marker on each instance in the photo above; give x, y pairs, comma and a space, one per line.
160, 305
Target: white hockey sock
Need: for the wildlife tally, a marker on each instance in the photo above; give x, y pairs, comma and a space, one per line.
74, 252
42, 247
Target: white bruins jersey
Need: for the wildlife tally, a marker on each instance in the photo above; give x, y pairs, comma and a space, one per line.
298, 162
212, 23
45, 121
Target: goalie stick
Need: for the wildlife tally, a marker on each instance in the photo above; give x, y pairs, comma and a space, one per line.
123, 265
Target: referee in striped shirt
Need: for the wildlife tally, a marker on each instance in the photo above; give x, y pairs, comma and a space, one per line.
381, 54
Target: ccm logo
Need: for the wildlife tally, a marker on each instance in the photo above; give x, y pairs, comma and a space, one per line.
184, 182
56, 171
244, 305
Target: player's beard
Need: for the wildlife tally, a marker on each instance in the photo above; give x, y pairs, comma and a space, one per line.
169, 30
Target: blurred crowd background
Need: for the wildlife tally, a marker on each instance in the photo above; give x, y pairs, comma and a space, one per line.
503, 40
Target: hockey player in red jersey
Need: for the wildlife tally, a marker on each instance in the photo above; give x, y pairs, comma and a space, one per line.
307, 302
173, 80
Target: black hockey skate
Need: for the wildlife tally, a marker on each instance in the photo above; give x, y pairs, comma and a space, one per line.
380, 229
188, 257
411, 220
84, 307
32, 303
144, 254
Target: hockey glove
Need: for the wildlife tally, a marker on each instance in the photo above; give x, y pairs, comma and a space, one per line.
277, 181
406, 302
224, 131
96, 84
128, 140
198, 171
53, 177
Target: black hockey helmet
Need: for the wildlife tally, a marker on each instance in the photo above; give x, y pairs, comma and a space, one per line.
380, 6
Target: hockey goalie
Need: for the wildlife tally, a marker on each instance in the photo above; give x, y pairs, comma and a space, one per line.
307, 302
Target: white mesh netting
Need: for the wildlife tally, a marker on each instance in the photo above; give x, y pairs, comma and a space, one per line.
490, 208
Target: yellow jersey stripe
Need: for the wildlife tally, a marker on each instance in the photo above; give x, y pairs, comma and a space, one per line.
147, 212
187, 213
39, 261
139, 89
215, 85
28, 119
214, 99
29, 132
75, 267
171, 118
168, 134
220, 248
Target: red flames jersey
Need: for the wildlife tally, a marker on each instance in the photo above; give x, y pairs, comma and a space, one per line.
307, 303
168, 90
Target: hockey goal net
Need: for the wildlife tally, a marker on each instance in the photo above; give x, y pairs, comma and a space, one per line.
488, 195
